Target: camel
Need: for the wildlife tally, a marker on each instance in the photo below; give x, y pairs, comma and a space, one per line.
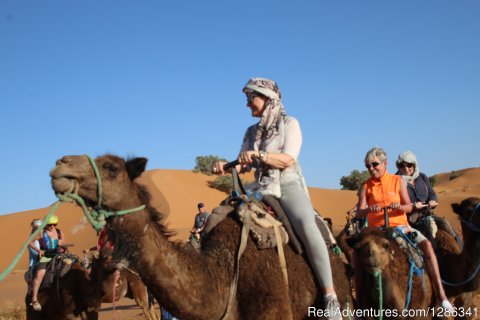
377, 251
456, 265
128, 284
67, 299
194, 284
461, 265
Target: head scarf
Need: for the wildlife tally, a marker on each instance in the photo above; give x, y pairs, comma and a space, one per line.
270, 131
269, 124
409, 157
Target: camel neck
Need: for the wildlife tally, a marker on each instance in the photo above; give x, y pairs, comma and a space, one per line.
175, 274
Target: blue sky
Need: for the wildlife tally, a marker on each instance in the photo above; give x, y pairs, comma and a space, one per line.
163, 79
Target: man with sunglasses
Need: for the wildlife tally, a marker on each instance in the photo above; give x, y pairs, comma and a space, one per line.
387, 190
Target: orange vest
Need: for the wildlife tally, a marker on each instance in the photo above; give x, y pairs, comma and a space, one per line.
383, 192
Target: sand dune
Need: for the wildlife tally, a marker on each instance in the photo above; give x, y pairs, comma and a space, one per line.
182, 191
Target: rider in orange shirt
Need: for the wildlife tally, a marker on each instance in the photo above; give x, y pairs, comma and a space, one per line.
386, 190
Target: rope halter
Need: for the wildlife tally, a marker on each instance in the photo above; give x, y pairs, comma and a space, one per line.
97, 218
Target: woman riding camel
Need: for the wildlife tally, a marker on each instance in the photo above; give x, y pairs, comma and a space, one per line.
50, 240
272, 146
419, 187
387, 190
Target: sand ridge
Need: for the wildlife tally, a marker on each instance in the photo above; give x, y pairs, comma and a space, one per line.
182, 190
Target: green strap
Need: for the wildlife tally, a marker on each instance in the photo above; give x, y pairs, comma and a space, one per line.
96, 218
99, 180
378, 281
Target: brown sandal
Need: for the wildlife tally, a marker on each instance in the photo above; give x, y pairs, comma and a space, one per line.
36, 306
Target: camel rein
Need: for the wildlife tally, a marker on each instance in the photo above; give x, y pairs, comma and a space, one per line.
97, 218
474, 228
377, 274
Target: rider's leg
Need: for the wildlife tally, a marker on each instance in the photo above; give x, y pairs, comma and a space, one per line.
37, 281
300, 212
433, 270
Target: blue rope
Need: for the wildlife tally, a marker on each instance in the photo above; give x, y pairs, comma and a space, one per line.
470, 278
412, 265
410, 285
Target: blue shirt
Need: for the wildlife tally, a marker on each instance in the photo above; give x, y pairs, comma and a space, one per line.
33, 255
201, 219
422, 191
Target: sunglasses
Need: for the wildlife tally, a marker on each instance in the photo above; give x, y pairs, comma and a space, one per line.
373, 164
405, 164
250, 97
51, 225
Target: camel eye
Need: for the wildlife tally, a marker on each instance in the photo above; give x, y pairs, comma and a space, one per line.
110, 168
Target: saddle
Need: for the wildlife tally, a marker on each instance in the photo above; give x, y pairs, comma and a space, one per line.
267, 214
408, 246
428, 223
265, 225
57, 268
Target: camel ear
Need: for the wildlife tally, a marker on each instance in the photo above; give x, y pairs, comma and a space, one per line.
135, 167
456, 208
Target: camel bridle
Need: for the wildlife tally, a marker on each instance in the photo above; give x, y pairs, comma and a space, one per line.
96, 217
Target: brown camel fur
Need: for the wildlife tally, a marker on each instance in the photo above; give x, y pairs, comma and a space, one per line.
128, 284
67, 299
78, 295
460, 265
375, 250
191, 284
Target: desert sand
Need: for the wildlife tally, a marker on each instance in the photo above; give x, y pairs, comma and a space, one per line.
183, 190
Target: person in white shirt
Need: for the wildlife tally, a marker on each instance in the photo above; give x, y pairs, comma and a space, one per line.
272, 146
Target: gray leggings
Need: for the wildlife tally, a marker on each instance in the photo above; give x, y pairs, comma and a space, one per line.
300, 212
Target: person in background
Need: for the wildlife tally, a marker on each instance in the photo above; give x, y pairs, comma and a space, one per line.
387, 190
419, 187
200, 220
50, 239
33, 253
272, 146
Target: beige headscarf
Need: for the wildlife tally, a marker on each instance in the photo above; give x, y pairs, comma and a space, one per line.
409, 157
268, 125
269, 133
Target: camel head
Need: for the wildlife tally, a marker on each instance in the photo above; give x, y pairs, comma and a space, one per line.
372, 249
469, 212
76, 174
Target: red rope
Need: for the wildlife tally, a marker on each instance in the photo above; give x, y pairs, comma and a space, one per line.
116, 277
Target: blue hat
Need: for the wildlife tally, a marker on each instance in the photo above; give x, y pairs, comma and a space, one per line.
200, 205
